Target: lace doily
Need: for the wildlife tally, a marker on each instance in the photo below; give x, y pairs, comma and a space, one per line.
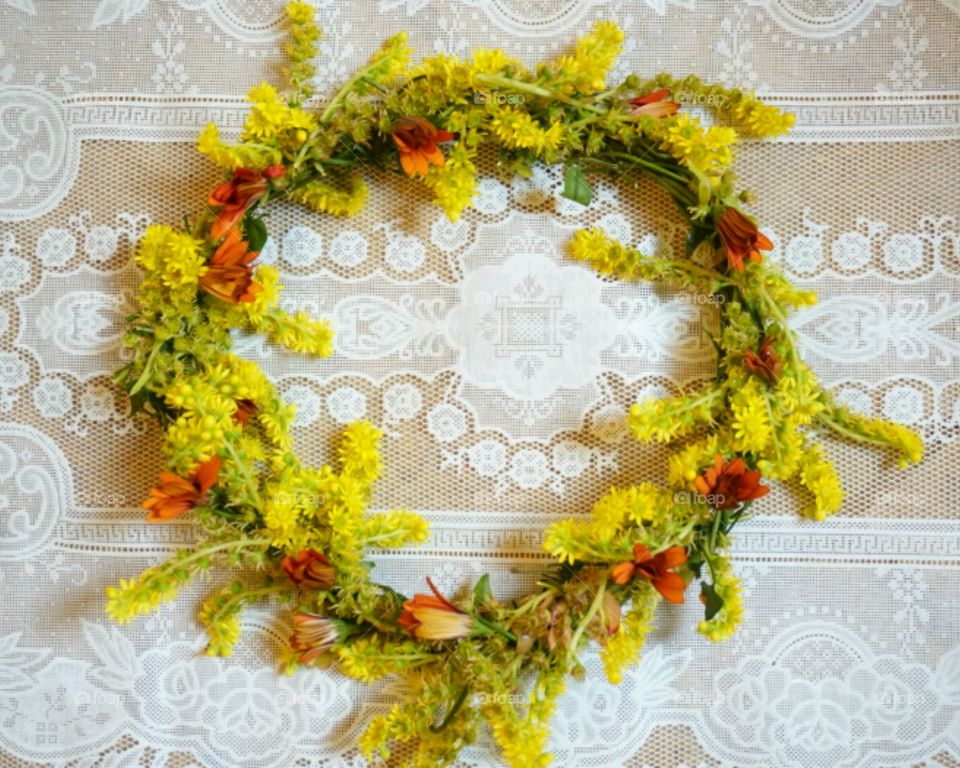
97, 102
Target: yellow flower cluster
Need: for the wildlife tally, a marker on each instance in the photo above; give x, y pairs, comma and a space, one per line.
243, 154
516, 129
371, 658
327, 199
493, 62
297, 332
220, 616
709, 151
392, 529
173, 256
752, 117
586, 69
622, 650
126, 601
206, 403
727, 586
454, 185
821, 479
302, 48
622, 517
751, 425
663, 421
758, 120
271, 118
686, 464
522, 743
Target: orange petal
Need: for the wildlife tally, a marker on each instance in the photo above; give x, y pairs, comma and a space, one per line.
640, 553
407, 163
420, 162
207, 473
433, 155
622, 573
673, 557
671, 586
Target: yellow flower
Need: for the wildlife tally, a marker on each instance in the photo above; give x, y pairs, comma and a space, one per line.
326, 199
586, 69
820, 478
173, 255
662, 421
751, 418
708, 151
300, 13
727, 587
759, 120
622, 650
269, 117
685, 466
518, 130
232, 156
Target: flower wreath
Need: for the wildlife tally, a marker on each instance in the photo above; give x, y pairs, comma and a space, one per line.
227, 440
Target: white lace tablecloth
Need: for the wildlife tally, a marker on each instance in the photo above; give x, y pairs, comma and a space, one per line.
500, 372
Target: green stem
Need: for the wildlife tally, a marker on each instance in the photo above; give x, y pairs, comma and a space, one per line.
494, 627
858, 437
248, 480
499, 81
585, 622
247, 594
531, 603
227, 545
147, 366
774, 310
650, 166
452, 713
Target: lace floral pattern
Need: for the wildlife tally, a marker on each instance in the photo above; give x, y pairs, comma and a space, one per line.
500, 371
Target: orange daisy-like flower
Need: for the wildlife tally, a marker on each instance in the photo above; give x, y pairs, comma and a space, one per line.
229, 274
764, 362
740, 239
433, 617
416, 139
236, 196
657, 568
314, 635
654, 104
729, 484
309, 569
173, 495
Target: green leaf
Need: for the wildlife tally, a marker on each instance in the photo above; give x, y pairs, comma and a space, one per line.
482, 592
712, 601
575, 185
255, 232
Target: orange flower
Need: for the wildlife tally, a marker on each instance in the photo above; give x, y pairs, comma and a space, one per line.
173, 495
764, 362
309, 570
654, 104
433, 617
229, 275
245, 409
314, 635
417, 139
656, 568
730, 484
740, 238
236, 196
